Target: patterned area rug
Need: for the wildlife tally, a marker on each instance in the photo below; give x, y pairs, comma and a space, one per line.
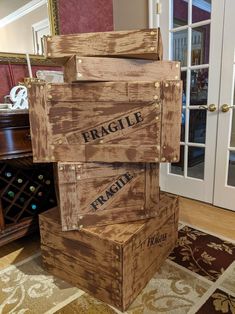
198, 277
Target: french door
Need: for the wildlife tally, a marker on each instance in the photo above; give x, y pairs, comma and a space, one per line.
193, 33
224, 193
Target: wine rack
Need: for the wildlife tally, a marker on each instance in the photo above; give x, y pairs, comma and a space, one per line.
25, 193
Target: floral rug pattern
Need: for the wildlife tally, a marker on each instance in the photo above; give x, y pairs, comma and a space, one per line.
203, 254
198, 277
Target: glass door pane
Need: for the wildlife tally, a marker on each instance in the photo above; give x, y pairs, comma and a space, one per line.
191, 36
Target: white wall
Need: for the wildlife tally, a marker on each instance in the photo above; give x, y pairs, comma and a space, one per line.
18, 36
9, 6
130, 14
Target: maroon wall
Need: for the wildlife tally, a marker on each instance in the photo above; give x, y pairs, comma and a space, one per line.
82, 16
75, 16
20, 71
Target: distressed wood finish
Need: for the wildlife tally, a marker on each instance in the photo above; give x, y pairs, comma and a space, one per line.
110, 69
101, 193
112, 263
106, 122
142, 44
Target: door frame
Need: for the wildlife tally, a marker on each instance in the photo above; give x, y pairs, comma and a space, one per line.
223, 192
186, 186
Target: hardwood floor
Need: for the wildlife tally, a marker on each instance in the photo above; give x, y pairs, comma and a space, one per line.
205, 216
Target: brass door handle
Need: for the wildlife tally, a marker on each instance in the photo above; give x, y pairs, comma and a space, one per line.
211, 107
225, 108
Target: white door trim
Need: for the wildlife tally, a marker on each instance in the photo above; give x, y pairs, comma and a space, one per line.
224, 195
22, 11
183, 185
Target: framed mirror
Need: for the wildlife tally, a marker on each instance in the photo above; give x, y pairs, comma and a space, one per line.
23, 23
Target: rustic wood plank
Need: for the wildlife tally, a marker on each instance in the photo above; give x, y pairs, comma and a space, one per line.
85, 269
130, 91
83, 254
143, 44
79, 68
85, 236
65, 272
171, 121
39, 126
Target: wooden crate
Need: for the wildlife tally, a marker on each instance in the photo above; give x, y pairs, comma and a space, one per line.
117, 69
106, 121
143, 44
103, 193
112, 263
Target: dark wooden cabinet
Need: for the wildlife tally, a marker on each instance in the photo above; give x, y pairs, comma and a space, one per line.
26, 189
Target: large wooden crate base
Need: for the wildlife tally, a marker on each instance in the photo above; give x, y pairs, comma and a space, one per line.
113, 263
96, 194
78, 69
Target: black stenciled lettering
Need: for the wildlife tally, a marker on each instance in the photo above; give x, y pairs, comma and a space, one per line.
113, 128
129, 121
138, 117
156, 239
86, 137
128, 176
101, 200
118, 184
109, 194
104, 132
114, 188
94, 134
95, 204
123, 182
121, 124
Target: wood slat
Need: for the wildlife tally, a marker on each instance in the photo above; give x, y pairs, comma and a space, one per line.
171, 121
143, 44
79, 68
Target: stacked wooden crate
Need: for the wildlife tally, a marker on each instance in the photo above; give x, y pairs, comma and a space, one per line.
107, 128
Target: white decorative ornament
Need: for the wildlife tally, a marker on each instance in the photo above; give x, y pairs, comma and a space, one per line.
19, 97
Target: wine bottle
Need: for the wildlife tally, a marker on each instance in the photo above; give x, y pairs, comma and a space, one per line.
40, 193
33, 206
8, 174
32, 188
48, 182
40, 177
11, 194
19, 180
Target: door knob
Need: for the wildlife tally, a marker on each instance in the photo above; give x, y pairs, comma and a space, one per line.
211, 107
225, 107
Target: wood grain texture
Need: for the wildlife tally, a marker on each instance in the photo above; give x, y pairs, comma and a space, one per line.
105, 121
142, 44
147, 258
171, 117
97, 261
97, 194
117, 69
39, 126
